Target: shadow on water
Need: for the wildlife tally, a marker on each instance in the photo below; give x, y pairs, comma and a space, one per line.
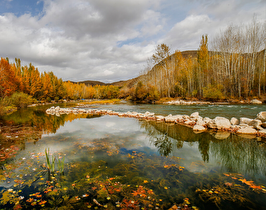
123, 163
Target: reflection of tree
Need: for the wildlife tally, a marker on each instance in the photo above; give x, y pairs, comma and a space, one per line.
178, 134
204, 144
39, 121
164, 145
160, 136
238, 154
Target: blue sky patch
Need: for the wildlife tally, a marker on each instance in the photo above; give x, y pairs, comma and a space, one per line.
21, 7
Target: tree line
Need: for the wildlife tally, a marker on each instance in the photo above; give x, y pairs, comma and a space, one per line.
46, 86
233, 67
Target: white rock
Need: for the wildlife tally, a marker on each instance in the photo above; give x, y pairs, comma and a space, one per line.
234, 121
244, 120
219, 123
159, 118
256, 124
199, 128
187, 122
247, 130
185, 117
262, 116
178, 117
170, 119
263, 125
149, 114
262, 131
255, 101
207, 120
200, 122
194, 115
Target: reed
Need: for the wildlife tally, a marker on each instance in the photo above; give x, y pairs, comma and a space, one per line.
61, 164
47, 158
50, 164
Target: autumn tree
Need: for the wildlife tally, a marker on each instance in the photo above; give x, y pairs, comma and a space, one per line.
8, 80
203, 60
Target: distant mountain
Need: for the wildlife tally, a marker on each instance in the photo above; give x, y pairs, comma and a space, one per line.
131, 82
93, 83
90, 82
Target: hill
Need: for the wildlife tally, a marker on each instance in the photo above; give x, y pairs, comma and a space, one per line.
132, 82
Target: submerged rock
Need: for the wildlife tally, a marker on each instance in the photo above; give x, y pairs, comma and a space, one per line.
221, 135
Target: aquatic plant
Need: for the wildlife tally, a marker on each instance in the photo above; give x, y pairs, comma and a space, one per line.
47, 158
50, 164
61, 164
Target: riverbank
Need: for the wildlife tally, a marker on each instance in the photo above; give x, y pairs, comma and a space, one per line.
168, 101
246, 127
198, 102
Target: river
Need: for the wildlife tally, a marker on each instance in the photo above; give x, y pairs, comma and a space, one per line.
109, 162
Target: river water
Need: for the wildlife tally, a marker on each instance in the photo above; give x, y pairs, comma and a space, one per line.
108, 162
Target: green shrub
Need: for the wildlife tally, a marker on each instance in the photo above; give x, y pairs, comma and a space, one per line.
213, 93
56, 99
48, 99
194, 93
140, 92
21, 100
153, 93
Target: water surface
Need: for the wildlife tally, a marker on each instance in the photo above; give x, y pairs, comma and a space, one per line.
123, 163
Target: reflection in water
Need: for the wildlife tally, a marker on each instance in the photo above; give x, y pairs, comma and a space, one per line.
164, 144
116, 163
235, 153
243, 155
178, 135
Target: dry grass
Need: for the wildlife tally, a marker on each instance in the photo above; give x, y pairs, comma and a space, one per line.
109, 101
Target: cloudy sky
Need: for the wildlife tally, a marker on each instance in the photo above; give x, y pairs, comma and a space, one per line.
111, 40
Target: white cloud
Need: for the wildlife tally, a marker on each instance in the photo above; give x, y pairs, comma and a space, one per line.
111, 40
186, 34
211, 17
